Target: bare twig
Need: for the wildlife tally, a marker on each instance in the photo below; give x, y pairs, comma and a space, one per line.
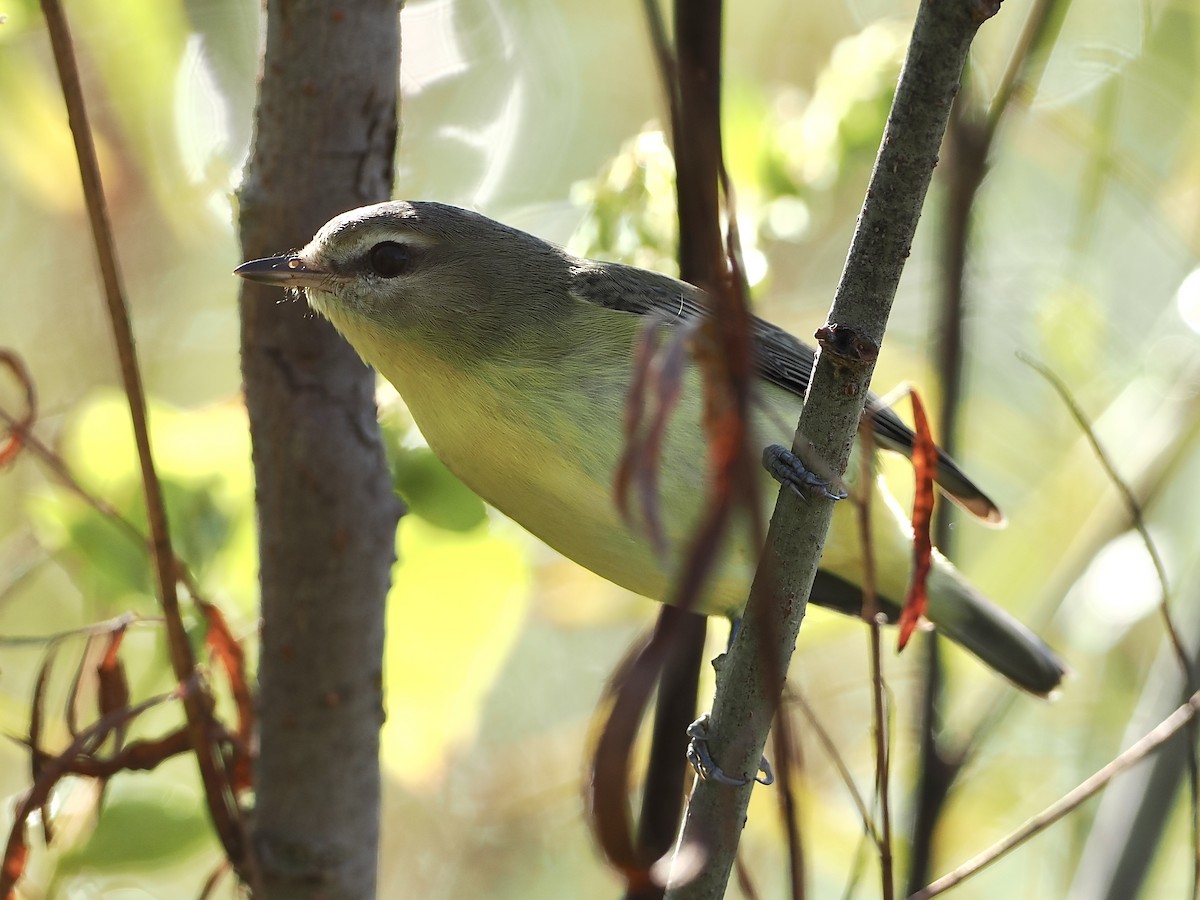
59, 468
664, 60
1138, 519
691, 79
95, 628
969, 141
1179, 719
1131, 505
748, 691
745, 882
785, 751
49, 769
826, 742
880, 732
198, 703
1025, 67
11, 445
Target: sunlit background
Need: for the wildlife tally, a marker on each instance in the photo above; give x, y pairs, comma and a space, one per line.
547, 115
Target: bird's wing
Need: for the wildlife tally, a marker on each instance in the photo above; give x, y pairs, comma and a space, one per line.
782, 359
787, 362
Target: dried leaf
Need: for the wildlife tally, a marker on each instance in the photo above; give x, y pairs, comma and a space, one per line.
84, 673
635, 407
112, 687
11, 446
626, 699
229, 653
51, 768
36, 718
37, 707
662, 371
668, 384
924, 459
15, 855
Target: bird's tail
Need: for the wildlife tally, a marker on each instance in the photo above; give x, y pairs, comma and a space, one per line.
968, 618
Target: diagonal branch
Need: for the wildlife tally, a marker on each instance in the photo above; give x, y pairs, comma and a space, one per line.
1181, 718
748, 691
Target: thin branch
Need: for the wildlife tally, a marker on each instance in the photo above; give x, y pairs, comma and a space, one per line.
59, 468
1027, 62
969, 140
843, 770
1168, 728
784, 746
881, 735
1131, 505
744, 881
696, 167
748, 690
92, 630
691, 80
1138, 519
198, 704
664, 60
879, 720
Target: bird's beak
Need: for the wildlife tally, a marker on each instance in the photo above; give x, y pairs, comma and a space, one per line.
288, 271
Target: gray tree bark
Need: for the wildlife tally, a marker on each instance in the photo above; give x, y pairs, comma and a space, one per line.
325, 135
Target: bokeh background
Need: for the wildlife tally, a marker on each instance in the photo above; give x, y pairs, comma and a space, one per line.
547, 115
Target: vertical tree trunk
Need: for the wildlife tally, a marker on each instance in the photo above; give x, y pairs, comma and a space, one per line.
325, 141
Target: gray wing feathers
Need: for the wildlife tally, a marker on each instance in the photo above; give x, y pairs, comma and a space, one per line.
783, 360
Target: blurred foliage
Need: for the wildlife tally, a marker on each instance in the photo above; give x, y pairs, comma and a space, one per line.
142, 825
785, 158
440, 677
1084, 254
631, 207
203, 458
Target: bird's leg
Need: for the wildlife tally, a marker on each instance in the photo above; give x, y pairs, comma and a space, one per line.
697, 751
702, 761
786, 468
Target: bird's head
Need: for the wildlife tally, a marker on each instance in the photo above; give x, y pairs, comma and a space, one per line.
408, 272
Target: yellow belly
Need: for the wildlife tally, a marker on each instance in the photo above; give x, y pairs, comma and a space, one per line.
541, 444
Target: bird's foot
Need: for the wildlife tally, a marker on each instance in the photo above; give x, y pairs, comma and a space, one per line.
707, 769
786, 468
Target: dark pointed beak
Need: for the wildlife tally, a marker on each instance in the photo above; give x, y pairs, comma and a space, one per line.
284, 271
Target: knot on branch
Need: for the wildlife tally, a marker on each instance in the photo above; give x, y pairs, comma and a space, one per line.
985, 9
847, 345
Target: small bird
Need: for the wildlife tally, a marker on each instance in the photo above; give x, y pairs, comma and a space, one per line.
515, 359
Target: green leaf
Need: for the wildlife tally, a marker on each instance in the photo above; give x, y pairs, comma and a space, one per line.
147, 821
432, 492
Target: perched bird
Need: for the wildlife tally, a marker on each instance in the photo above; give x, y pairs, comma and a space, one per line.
515, 359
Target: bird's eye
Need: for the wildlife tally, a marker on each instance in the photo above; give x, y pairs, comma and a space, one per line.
389, 259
